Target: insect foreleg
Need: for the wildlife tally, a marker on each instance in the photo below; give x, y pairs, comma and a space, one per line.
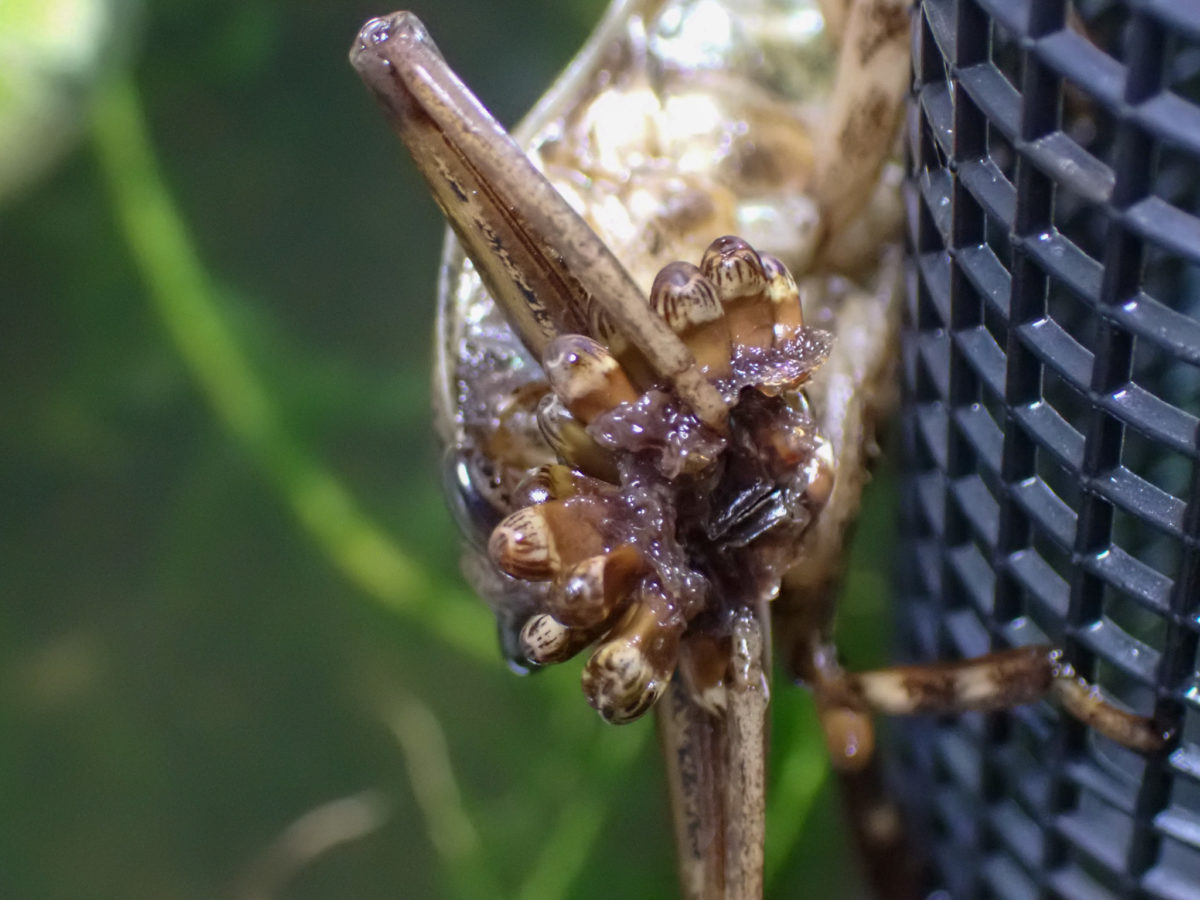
544, 265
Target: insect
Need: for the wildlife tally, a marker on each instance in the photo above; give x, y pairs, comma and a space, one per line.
657, 433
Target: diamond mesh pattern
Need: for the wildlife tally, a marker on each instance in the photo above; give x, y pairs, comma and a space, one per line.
1051, 434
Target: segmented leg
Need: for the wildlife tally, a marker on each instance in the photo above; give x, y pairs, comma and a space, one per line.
888, 860
997, 681
541, 262
715, 770
746, 781
872, 79
693, 744
846, 703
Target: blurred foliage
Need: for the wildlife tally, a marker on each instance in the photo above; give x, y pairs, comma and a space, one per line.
238, 660
52, 54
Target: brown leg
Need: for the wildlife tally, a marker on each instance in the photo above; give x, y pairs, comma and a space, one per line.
872, 80
715, 772
1001, 680
890, 864
746, 777
996, 681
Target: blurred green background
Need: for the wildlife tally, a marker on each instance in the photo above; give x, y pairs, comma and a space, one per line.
237, 658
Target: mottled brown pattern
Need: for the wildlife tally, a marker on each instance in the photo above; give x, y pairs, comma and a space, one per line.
1021, 675
885, 22
1088, 705
694, 743
867, 123
931, 690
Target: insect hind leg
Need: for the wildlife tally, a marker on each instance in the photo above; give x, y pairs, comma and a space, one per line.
993, 682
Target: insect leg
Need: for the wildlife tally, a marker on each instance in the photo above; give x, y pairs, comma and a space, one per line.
890, 863
715, 768
996, 681
870, 85
539, 259
745, 783
692, 739
835, 13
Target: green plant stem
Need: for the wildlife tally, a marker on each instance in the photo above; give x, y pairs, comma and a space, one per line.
431, 776
187, 303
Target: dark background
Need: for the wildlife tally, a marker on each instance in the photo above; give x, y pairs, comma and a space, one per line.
230, 591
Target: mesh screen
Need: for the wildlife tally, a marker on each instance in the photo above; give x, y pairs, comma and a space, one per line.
1052, 492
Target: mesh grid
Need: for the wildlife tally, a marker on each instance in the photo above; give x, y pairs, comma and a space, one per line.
1052, 487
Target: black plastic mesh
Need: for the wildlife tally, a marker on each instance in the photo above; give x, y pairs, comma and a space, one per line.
1052, 484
